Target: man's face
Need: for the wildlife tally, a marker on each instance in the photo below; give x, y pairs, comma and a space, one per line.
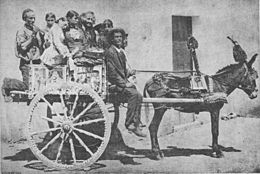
89, 20
50, 21
118, 39
30, 18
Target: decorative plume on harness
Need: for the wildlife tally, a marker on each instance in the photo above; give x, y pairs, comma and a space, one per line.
192, 45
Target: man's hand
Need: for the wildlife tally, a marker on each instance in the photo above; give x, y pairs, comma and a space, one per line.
132, 79
132, 72
129, 85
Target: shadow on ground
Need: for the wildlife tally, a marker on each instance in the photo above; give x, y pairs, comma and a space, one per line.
112, 152
41, 166
173, 151
254, 113
118, 150
23, 155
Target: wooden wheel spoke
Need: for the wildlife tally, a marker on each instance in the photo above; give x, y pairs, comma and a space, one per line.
74, 105
47, 130
63, 105
59, 150
89, 133
88, 122
51, 120
52, 108
83, 144
50, 142
73, 154
84, 111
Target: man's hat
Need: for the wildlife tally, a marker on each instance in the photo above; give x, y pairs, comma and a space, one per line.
115, 30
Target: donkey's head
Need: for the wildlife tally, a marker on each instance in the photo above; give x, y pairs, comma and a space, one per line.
248, 82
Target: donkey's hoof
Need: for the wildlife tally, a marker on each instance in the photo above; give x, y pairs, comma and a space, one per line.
218, 154
157, 155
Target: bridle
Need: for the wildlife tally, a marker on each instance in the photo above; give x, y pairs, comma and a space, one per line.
239, 86
244, 77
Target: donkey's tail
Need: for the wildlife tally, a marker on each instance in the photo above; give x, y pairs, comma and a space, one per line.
146, 105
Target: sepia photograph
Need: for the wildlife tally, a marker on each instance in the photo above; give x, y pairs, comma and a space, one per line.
129, 86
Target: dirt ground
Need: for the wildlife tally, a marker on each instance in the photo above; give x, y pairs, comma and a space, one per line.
185, 151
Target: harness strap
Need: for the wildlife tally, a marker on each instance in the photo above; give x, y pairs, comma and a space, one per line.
210, 84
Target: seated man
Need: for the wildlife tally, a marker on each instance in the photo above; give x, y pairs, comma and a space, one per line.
27, 48
118, 75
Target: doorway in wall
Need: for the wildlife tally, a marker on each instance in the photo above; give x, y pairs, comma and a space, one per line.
181, 30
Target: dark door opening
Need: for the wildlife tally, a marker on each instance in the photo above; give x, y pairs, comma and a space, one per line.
181, 30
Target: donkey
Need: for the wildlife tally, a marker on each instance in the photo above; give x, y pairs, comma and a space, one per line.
225, 81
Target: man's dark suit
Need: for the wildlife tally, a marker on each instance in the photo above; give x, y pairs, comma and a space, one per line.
117, 74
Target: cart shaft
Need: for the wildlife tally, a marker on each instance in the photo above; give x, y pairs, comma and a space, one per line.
172, 100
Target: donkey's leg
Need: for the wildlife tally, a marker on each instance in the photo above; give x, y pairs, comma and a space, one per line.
153, 129
215, 132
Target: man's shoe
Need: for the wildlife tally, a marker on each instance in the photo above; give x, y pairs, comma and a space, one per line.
131, 127
136, 130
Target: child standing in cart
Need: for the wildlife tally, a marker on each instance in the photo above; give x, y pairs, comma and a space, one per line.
57, 48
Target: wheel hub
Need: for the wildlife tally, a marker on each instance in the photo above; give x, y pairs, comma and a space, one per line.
66, 127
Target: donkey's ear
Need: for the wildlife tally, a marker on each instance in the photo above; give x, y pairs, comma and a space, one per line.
252, 60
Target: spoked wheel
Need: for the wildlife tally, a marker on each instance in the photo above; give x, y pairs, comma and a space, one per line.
74, 131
